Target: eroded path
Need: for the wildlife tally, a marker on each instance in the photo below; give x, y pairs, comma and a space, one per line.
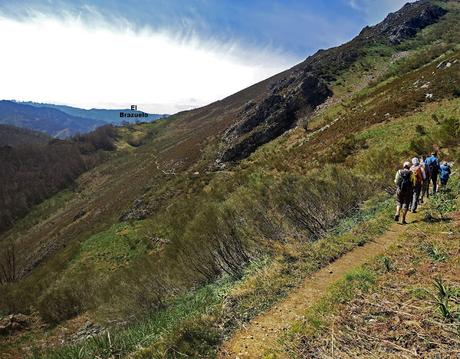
261, 333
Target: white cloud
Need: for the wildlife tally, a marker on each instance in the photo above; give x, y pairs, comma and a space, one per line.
376, 10
109, 65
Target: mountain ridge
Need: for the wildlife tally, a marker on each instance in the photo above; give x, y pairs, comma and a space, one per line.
110, 116
61, 121
48, 120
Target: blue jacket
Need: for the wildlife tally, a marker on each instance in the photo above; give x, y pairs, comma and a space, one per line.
445, 172
433, 162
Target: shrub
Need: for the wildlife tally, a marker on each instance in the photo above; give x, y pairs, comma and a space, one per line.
420, 130
440, 205
64, 301
346, 147
449, 132
419, 145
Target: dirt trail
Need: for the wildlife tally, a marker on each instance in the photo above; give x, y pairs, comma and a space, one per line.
262, 332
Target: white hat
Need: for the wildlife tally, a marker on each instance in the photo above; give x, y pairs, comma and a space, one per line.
406, 164
415, 161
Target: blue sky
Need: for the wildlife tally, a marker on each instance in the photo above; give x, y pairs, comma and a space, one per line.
209, 48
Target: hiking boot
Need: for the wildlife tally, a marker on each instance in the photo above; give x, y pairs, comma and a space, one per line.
396, 217
403, 222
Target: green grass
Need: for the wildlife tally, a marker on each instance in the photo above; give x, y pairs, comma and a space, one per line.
265, 282
152, 329
112, 249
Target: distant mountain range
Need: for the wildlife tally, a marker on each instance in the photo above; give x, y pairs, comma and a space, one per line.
109, 116
63, 121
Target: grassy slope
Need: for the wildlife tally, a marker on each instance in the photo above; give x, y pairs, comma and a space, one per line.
198, 321
294, 153
403, 303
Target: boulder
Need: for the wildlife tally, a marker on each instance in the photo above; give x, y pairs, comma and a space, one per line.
138, 211
13, 323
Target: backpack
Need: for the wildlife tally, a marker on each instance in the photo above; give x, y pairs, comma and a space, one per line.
417, 170
405, 181
433, 166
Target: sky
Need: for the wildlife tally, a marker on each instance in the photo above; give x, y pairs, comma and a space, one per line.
164, 56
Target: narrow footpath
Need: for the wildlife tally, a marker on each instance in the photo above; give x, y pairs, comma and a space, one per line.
261, 333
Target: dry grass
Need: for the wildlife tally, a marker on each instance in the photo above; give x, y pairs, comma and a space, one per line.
412, 311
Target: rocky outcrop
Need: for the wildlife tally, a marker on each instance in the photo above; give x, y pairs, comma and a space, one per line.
138, 211
289, 99
406, 22
89, 330
13, 323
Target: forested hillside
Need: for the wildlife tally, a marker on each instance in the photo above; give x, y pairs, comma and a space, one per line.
16, 136
35, 170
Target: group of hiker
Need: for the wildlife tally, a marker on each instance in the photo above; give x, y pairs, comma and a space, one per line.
413, 183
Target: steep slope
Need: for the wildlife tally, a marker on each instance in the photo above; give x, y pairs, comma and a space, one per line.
293, 97
16, 136
51, 121
154, 221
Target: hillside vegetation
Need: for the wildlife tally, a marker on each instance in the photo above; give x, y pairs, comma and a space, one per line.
195, 224
16, 136
35, 167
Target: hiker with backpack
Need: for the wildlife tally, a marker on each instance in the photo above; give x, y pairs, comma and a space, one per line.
426, 181
444, 174
405, 183
433, 163
419, 175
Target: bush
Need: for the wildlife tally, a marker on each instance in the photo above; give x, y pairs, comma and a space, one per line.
420, 130
64, 301
346, 147
449, 132
102, 138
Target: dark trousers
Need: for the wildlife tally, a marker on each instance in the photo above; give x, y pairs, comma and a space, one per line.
425, 187
415, 197
434, 180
